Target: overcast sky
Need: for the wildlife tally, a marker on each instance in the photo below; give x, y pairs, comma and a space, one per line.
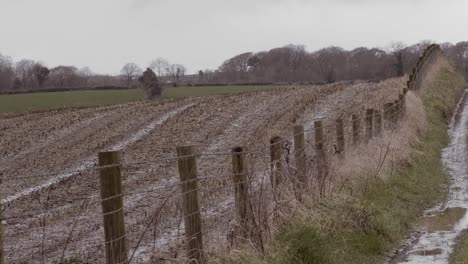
105, 34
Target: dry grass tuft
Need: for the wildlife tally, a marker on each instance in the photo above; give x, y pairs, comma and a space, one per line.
374, 191
385, 155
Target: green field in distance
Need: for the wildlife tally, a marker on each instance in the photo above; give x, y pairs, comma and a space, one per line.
53, 100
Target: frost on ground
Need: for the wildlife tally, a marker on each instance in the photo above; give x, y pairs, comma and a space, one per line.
61, 215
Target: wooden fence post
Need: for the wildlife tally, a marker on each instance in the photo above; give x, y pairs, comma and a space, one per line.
391, 115
396, 111
276, 162
356, 128
340, 140
387, 115
321, 156
369, 123
378, 122
110, 180
401, 98
241, 188
299, 153
192, 218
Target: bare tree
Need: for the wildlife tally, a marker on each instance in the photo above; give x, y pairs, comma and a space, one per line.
64, 77
176, 72
25, 72
236, 68
86, 74
331, 63
7, 74
130, 71
159, 66
201, 76
396, 49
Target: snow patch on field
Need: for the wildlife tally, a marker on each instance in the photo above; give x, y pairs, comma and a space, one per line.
90, 162
147, 129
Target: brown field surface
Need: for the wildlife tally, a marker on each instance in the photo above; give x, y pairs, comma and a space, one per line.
49, 213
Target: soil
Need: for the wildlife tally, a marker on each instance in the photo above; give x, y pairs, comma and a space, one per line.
50, 187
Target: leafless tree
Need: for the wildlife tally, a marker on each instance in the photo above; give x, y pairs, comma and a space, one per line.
236, 68
396, 49
330, 63
7, 74
290, 63
458, 54
86, 74
130, 71
25, 72
64, 77
159, 66
297, 60
176, 72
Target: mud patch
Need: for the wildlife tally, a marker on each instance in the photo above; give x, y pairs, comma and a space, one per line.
433, 252
443, 221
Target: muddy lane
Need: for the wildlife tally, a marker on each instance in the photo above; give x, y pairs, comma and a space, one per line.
440, 226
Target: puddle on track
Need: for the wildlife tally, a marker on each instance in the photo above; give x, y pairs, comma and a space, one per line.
442, 225
443, 221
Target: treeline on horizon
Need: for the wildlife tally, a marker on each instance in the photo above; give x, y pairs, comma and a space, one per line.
288, 64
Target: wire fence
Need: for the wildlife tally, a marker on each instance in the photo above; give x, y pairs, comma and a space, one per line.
220, 200
427, 58
187, 208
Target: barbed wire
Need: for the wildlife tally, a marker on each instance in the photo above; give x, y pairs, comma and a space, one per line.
264, 170
174, 158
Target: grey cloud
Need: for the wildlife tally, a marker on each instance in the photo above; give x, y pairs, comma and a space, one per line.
105, 34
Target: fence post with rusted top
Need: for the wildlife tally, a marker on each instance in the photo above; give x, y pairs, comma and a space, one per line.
356, 128
299, 152
192, 218
110, 179
369, 123
378, 122
241, 188
276, 162
321, 156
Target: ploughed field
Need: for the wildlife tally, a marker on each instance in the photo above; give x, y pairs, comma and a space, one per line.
50, 191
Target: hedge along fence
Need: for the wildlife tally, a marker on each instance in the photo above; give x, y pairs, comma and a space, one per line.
220, 200
427, 58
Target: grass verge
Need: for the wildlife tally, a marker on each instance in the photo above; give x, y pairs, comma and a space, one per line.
460, 253
364, 226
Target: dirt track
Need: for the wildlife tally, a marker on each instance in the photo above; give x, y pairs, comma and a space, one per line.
52, 141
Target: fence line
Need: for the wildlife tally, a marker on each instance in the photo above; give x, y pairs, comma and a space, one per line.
261, 185
419, 71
